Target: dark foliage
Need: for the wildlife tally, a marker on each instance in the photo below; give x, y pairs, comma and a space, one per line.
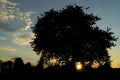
54, 73
71, 33
64, 34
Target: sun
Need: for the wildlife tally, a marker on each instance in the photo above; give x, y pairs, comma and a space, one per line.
78, 66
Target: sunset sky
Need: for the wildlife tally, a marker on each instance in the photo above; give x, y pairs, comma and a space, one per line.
17, 16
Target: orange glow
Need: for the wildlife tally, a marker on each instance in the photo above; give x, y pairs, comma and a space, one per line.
78, 66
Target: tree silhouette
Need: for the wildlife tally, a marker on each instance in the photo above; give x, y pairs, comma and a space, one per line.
18, 65
71, 35
1, 66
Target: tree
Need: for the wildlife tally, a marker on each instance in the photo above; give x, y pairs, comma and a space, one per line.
71, 35
18, 65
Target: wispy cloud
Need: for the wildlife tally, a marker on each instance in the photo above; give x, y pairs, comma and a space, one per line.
23, 39
2, 38
7, 48
11, 14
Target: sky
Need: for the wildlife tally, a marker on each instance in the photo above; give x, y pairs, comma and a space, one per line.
18, 16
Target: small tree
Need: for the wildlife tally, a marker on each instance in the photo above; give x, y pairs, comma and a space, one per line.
71, 35
18, 65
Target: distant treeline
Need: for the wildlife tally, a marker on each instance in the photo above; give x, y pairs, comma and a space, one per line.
10, 70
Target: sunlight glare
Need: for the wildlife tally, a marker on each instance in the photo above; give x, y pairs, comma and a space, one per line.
78, 66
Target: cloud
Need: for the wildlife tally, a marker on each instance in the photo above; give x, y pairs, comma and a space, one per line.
7, 48
2, 38
10, 14
23, 39
5, 58
4, 26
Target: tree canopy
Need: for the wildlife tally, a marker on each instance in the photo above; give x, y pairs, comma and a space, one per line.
71, 34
